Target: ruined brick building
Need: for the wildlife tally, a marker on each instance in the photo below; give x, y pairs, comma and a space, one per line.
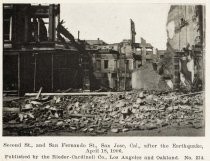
115, 65
111, 66
186, 45
39, 52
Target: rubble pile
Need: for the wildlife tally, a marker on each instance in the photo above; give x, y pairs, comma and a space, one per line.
138, 110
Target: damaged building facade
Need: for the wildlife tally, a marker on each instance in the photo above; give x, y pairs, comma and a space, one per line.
186, 46
112, 65
40, 52
35, 54
119, 66
116, 66
104, 69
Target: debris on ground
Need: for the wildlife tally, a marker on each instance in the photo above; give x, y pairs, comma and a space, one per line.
94, 115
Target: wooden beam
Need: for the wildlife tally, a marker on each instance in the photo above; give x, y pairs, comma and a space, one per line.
52, 73
26, 30
80, 115
35, 66
11, 109
75, 94
10, 29
51, 23
39, 93
19, 88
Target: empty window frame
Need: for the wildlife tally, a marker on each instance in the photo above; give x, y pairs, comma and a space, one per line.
7, 28
98, 64
106, 64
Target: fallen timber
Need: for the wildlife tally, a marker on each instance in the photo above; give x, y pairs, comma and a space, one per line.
11, 109
75, 94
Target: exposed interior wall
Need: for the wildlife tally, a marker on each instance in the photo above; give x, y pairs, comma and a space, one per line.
185, 42
182, 26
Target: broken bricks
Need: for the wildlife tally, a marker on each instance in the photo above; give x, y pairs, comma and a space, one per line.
114, 113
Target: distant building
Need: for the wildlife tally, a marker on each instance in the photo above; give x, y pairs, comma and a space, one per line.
143, 75
144, 53
113, 64
96, 44
161, 53
105, 68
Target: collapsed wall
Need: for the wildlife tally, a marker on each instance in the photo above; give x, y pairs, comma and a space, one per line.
145, 78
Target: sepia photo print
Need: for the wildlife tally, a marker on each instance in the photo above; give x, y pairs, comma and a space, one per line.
103, 69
